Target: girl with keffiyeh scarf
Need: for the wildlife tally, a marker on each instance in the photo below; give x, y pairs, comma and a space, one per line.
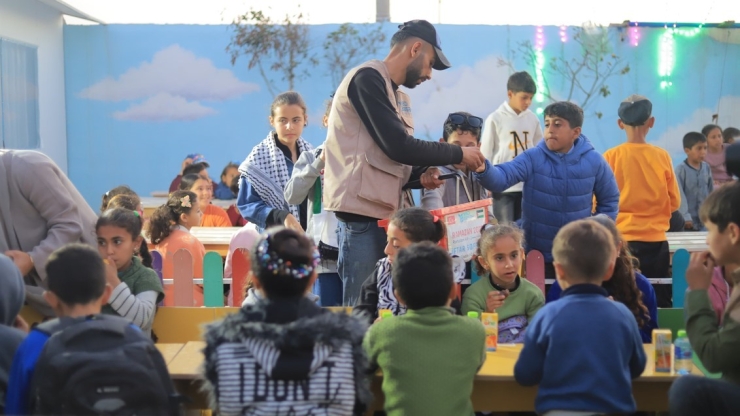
269, 166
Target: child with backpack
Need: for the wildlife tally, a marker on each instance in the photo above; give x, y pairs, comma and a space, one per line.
114, 366
136, 286
295, 357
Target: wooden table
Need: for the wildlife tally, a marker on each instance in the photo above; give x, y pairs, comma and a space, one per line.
215, 238
494, 381
169, 351
150, 203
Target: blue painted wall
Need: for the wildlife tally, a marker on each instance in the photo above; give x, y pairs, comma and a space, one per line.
141, 97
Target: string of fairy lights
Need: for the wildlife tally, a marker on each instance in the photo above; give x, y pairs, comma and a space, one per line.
666, 53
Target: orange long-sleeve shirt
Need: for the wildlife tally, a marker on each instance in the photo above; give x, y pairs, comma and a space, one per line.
215, 216
168, 247
648, 190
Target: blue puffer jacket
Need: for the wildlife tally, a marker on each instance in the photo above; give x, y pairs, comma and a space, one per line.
558, 188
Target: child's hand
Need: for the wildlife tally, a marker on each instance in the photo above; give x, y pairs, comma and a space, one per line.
111, 273
689, 225
495, 300
699, 273
21, 324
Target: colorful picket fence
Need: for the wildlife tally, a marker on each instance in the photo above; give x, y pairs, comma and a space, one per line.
186, 288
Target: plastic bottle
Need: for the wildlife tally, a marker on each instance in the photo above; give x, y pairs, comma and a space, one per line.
682, 362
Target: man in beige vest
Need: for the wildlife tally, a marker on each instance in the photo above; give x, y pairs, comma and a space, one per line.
370, 148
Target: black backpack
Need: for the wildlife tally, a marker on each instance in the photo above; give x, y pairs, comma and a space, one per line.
100, 365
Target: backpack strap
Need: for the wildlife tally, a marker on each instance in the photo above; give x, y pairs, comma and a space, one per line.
56, 325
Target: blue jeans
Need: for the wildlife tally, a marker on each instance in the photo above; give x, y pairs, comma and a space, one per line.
691, 395
329, 289
361, 245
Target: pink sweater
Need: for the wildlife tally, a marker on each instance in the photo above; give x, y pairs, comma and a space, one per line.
716, 161
719, 293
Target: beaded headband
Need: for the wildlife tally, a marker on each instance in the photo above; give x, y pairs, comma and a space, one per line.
271, 261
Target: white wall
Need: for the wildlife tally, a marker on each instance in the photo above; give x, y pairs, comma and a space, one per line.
35, 23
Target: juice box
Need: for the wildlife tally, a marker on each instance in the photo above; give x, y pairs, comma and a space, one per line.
490, 323
663, 347
385, 313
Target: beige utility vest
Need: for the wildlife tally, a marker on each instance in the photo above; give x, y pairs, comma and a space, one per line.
358, 176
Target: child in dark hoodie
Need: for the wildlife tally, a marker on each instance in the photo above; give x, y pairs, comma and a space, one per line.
11, 301
286, 355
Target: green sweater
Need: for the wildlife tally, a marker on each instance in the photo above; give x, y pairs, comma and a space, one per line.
429, 358
718, 348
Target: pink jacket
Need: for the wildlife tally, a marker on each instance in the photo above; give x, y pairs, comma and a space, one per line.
719, 292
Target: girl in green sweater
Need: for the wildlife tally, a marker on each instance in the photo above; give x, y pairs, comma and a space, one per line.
500, 289
136, 287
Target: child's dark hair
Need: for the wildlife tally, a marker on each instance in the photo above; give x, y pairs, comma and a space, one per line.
488, 237
118, 190
729, 134
566, 110
231, 165
722, 206
194, 169
690, 139
131, 221
76, 274
623, 286
708, 129
422, 275
283, 260
234, 185
521, 82
287, 98
450, 128
419, 225
167, 215
187, 181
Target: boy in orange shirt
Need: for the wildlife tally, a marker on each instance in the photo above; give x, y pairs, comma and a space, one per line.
648, 192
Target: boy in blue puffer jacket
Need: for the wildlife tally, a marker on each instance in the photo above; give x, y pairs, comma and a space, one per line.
561, 176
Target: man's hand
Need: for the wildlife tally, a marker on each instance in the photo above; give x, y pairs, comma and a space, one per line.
292, 223
430, 179
22, 260
473, 158
699, 273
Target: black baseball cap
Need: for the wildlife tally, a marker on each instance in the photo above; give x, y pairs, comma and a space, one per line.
635, 110
426, 32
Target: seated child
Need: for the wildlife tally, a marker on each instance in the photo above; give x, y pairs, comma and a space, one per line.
730, 135
406, 226
428, 356
716, 154
77, 292
625, 285
118, 190
213, 215
458, 130
694, 177
716, 345
286, 341
136, 286
11, 301
129, 202
583, 350
223, 189
561, 175
193, 163
500, 289
169, 230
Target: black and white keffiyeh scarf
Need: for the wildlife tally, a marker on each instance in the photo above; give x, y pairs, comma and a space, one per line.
386, 297
266, 170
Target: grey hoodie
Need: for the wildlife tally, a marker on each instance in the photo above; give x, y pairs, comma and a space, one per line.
12, 294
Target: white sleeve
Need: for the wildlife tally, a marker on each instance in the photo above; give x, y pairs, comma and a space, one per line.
138, 309
489, 139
